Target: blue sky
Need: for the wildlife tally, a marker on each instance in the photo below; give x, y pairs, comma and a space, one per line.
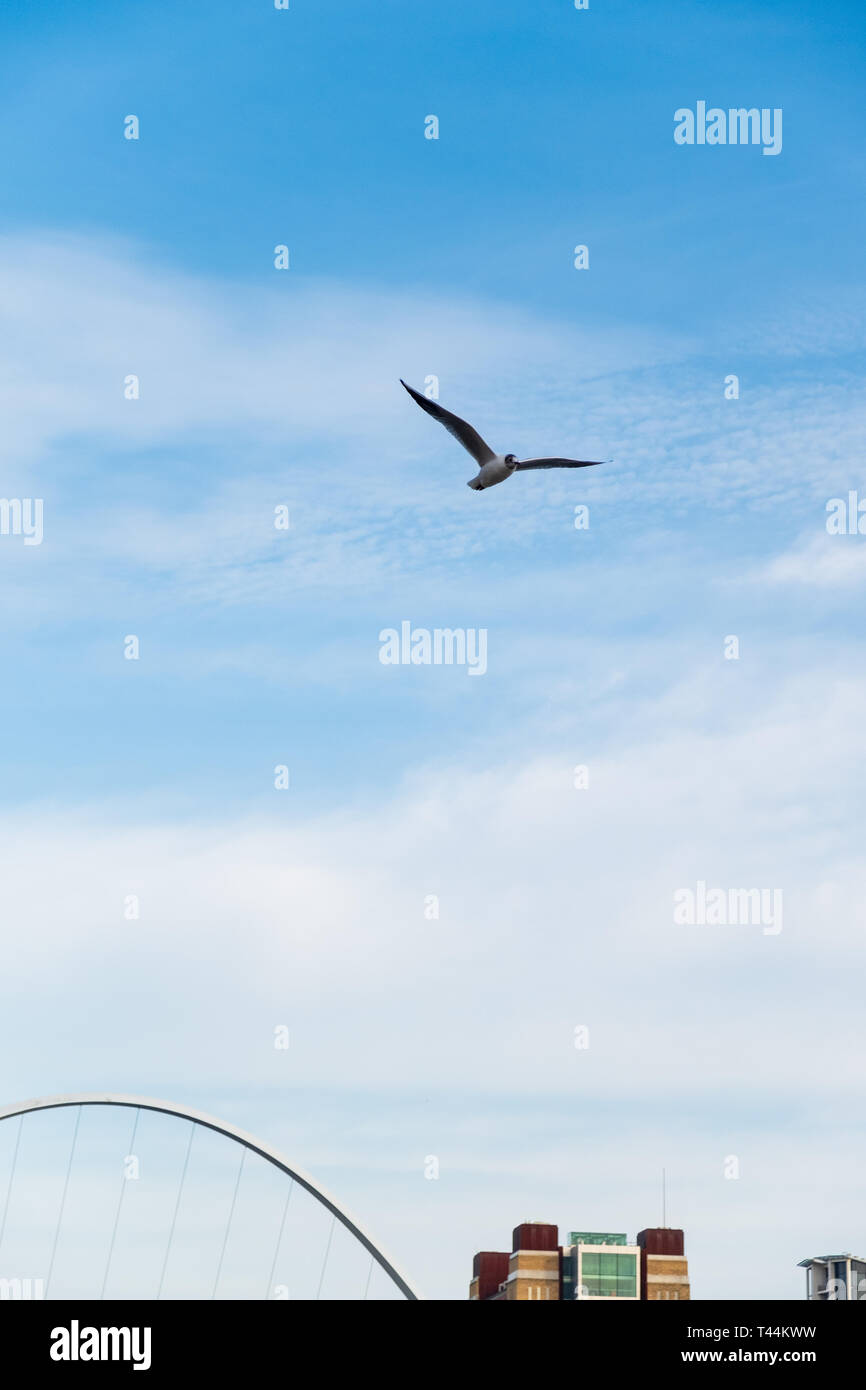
261, 388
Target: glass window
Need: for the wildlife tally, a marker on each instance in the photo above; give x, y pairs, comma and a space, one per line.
609, 1276
626, 1276
597, 1238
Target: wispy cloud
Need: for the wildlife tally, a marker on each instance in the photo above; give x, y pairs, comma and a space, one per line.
819, 561
322, 919
254, 397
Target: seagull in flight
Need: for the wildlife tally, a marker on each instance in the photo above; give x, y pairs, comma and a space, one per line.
492, 468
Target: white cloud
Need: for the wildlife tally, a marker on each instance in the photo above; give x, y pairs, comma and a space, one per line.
820, 561
555, 911
553, 902
556, 905
255, 396
297, 363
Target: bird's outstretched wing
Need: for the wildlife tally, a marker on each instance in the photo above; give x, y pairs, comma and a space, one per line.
558, 463
467, 436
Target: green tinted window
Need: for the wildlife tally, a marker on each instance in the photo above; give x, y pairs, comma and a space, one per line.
597, 1238
609, 1276
626, 1276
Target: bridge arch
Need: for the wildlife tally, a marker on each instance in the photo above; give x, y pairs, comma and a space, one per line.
239, 1136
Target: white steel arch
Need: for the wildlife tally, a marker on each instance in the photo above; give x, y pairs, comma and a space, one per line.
266, 1151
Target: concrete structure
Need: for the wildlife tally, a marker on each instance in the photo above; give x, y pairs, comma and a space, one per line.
831, 1278
591, 1267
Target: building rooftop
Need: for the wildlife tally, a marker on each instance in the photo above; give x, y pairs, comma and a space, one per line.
827, 1259
597, 1238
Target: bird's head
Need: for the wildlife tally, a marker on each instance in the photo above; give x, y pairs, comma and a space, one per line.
511, 460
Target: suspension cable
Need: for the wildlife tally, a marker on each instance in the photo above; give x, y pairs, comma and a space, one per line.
11, 1179
229, 1222
280, 1238
123, 1182
63, 1200
327, 1253
176, 1208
